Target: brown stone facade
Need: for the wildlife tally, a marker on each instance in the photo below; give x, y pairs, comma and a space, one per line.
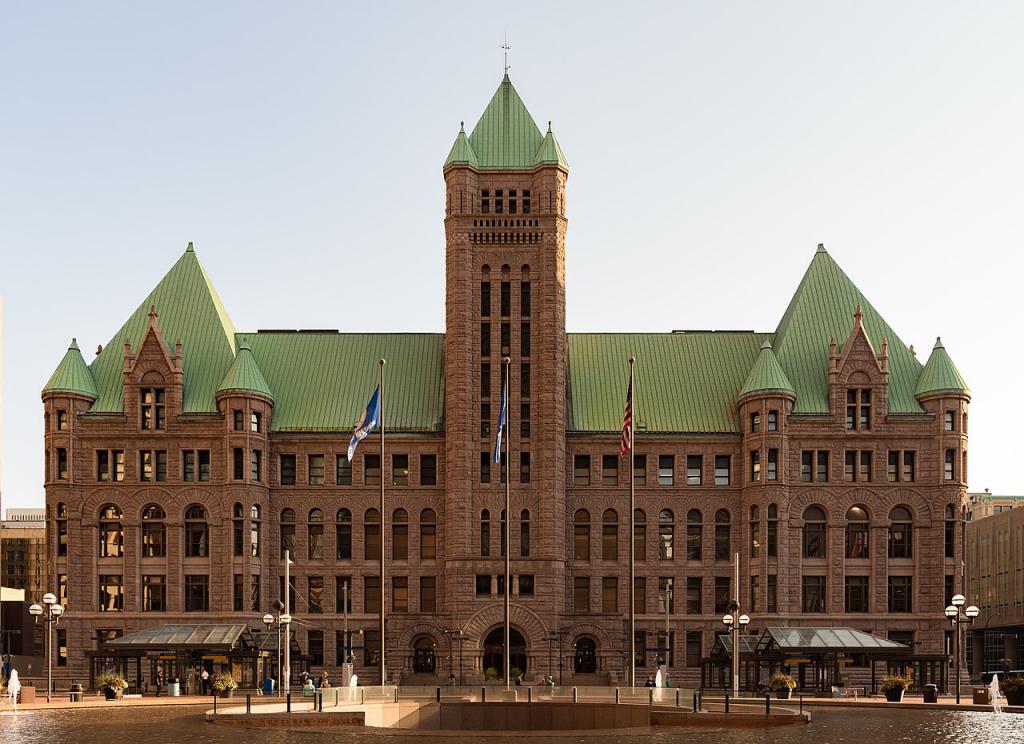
700, 499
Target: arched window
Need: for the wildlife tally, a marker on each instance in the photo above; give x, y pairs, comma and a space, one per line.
755, 531
238, 530
254, 531
950, 531
287, 532
610, 535
400, 535
581, 535
524, 533
197, 532
901, 533
772, 543
428, 534
694, 532
666, 534
814, 532
154, 532
315, 530
639, 535
371, 535
343, 534
723, 538
111, 532
62, 529
857, 533
485, 533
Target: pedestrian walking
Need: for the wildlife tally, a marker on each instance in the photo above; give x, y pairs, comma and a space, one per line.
159, 681
205, 676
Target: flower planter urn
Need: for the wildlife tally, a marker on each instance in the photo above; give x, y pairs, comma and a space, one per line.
783, 694
226, 693
1015, 698
110, 693
895, 696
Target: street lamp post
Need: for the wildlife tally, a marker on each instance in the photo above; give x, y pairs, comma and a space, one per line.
735, 624
50, 613
958, 617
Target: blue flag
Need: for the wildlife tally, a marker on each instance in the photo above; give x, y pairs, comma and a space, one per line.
501, 422
369, 422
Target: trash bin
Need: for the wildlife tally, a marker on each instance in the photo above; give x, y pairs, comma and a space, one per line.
268, 686
75, 693
931, 693
27, 695
174, 689
981, 696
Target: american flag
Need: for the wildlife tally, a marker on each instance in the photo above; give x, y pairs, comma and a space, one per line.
627, 422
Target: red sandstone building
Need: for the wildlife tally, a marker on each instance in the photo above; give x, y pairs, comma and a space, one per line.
187, 456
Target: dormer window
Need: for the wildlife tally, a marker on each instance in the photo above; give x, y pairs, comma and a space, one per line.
152, 405
858, 409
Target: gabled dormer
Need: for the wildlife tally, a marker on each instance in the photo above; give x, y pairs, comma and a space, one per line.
858, 378
153, 379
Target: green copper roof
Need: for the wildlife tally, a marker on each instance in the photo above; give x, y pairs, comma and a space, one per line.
323, 381
766, 376
685, 382
72, 375
823, 308
244, 375
940, 375
506, 135
190, 310
461, 152
550, 151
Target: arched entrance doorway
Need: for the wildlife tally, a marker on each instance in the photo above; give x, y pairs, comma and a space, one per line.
424, 661
494, 647
585, 660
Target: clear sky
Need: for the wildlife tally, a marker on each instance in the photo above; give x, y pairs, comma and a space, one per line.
712, 146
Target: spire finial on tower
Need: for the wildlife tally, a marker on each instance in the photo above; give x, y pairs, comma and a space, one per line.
506, 47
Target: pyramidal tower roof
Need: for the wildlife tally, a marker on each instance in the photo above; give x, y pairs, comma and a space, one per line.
767, 375
191, 311
822, 308
940, 375
72, 375
244, 375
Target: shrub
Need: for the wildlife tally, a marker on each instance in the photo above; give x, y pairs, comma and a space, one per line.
111, 681
1012, 685
515, 672
491, 674
781, 681
895, 682
224, 681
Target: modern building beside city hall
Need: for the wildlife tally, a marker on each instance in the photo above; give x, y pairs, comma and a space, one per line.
187, 455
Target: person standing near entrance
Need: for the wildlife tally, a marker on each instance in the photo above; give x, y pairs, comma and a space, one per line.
205, 676
190, 682
159, 681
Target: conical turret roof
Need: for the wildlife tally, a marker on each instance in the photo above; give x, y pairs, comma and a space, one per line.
244, 375
72, 375
461, 152
940, 375
550, 151
766, 376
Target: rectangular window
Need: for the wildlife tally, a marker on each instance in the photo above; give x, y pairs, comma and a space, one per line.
315, 546
152, 408
499, 201
399, 593
238, 463
581, 470
640, 470
485, 339
62, 464
154, 594
524, 287
102, 465
755, 466
609, 594
892, 471
723, 593
639, 540
485, 299
609, 470
526, 585
773, 464
755, 593
506, 339
237, 419
723, 544
949, 538
526, 201
371, 594
807, 466
428, 594
773, 420
62, 647
255, 421
506, 299
371, 540
813, 593
771, 594
483, 585
197, 593
850, 466
524, 467
858, 409
723, 466
950, 417
485, 467
315, 470
238, 592
485, 201
581, 594
428, 470
485, 419
694, 595
287, 470
154, 539
524, 380
947, 472
693, 648
343, 594
371, 470
255, 466
524, 339
909, 458
145, 465
62, 420
666, 470
900, 594
315, 647
865, 466
857, 594
117, 458
755, 422
694, 468
822, 470
342, 470
512, 201
399, 470
524, 420
343, 539
485, 380
111, 593
254, 594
